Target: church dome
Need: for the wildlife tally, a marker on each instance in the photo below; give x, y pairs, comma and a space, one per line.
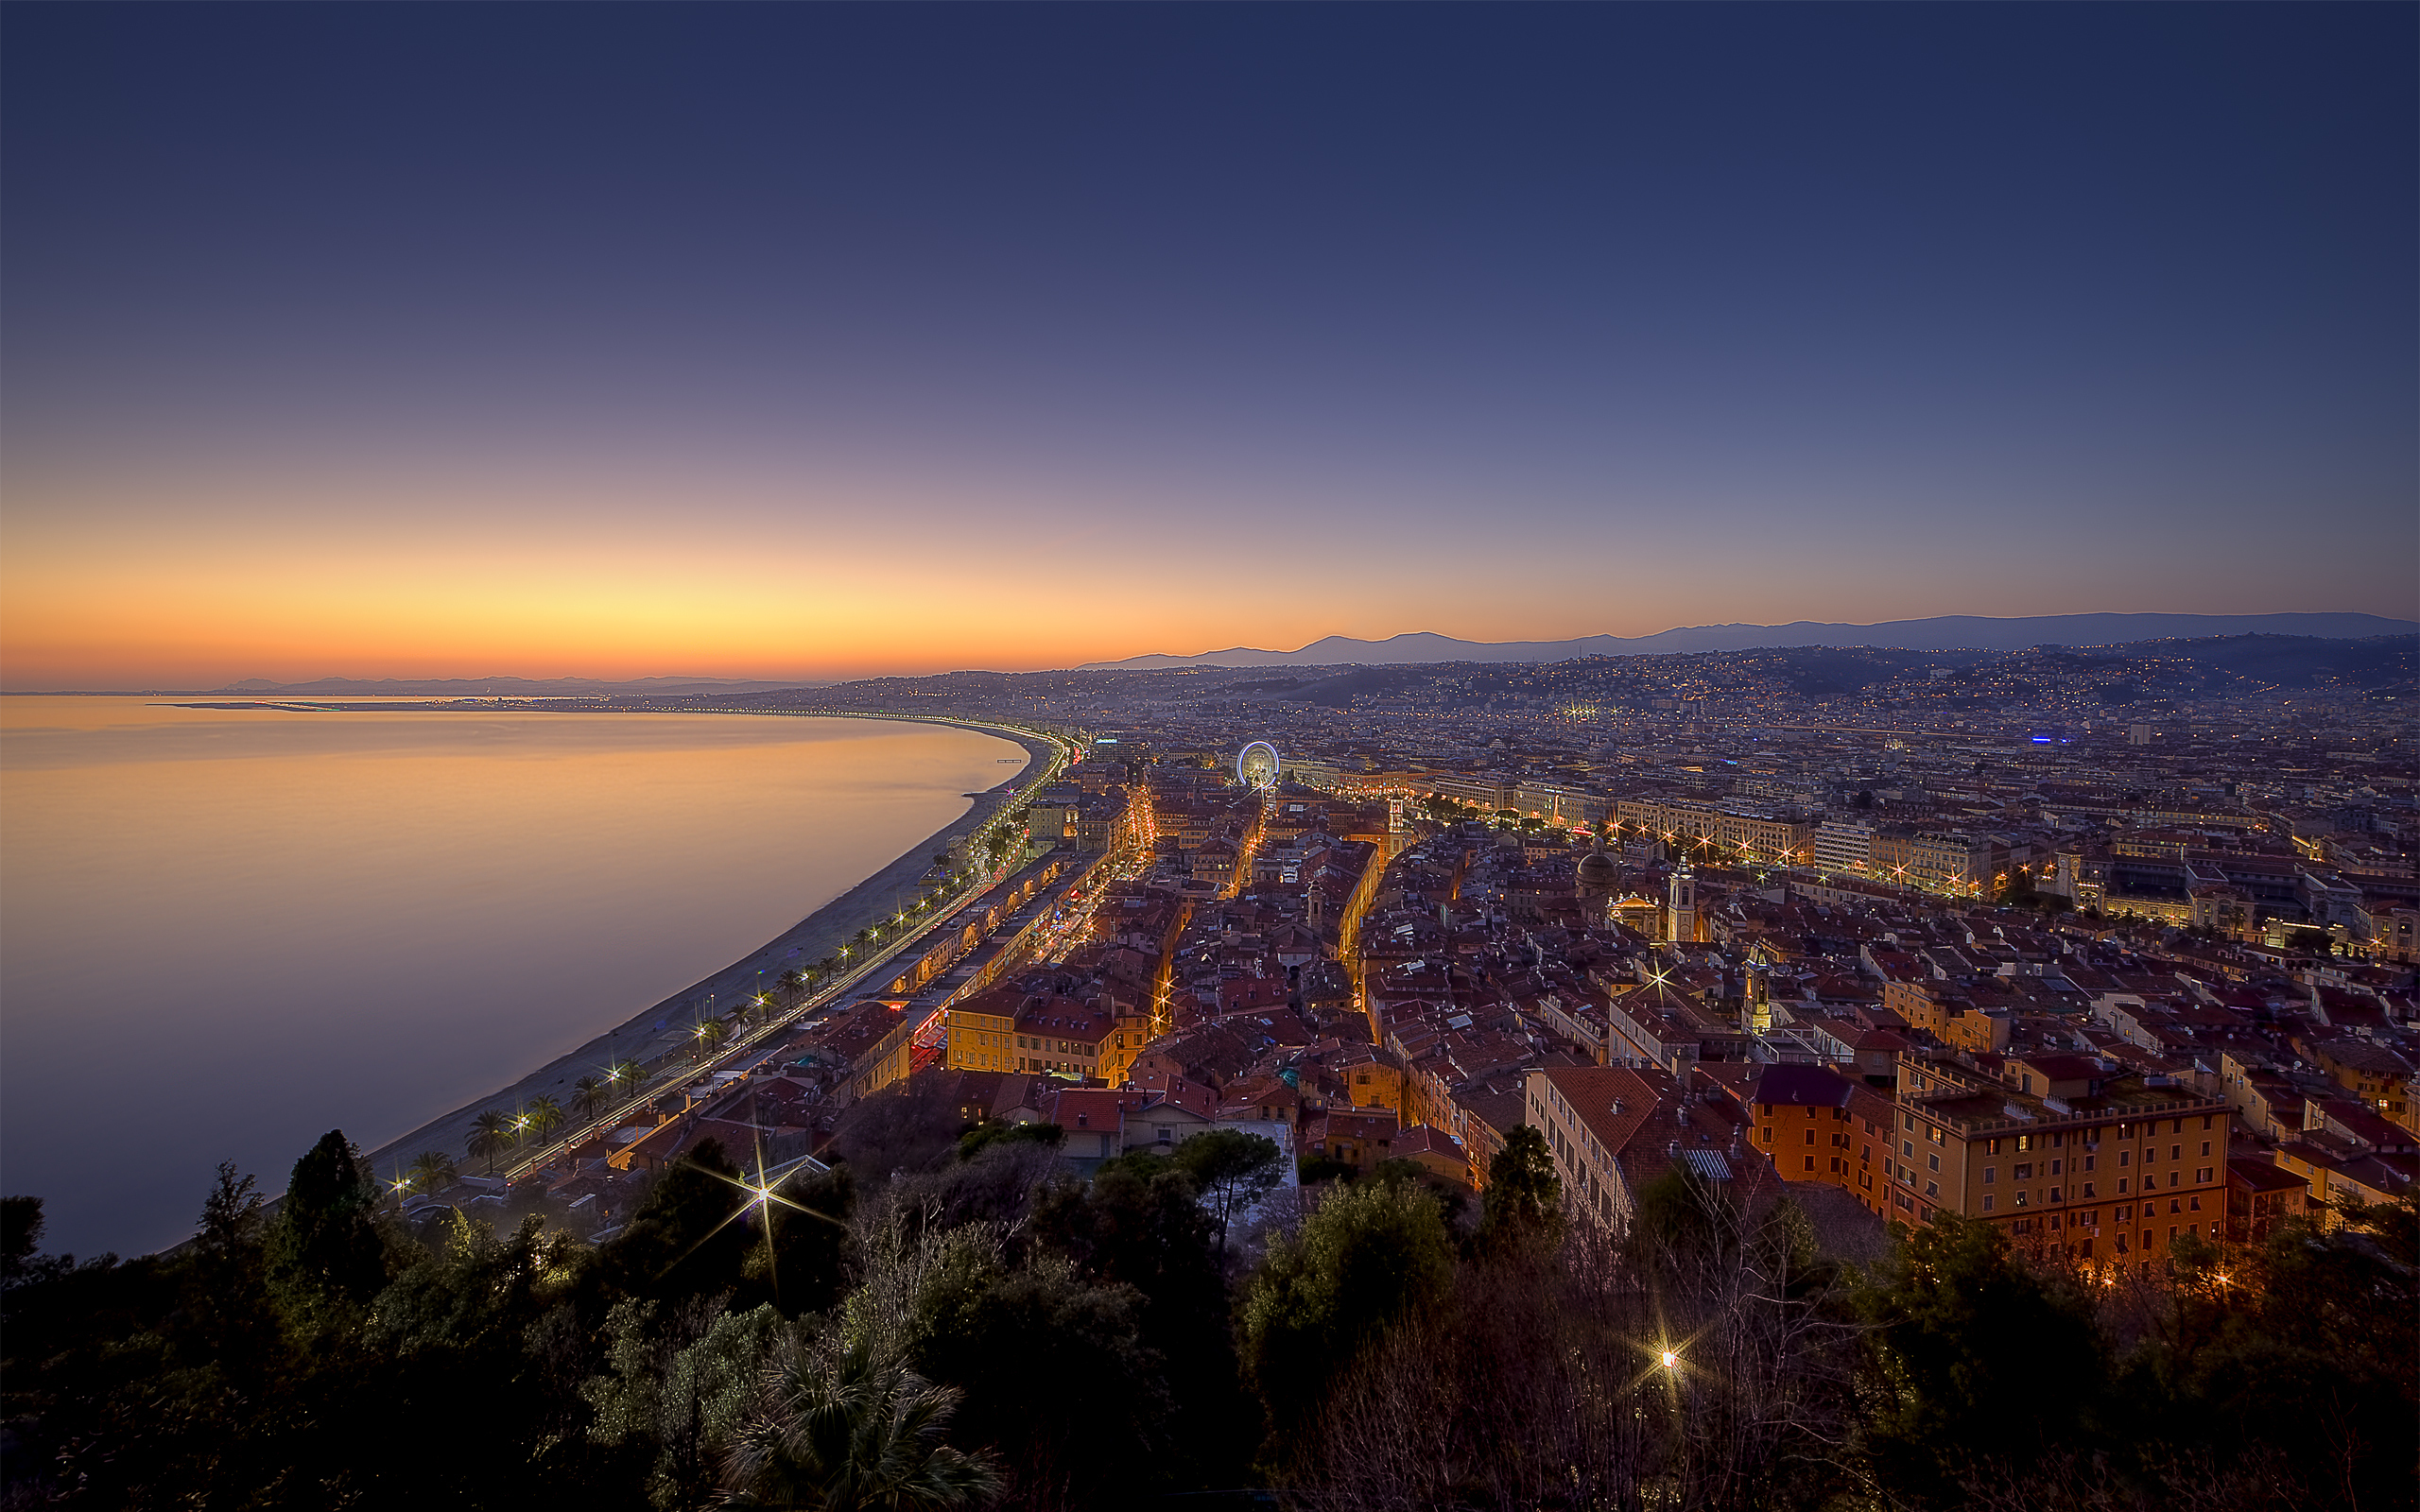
1599, 868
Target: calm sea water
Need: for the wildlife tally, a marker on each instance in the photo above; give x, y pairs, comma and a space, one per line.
224, 933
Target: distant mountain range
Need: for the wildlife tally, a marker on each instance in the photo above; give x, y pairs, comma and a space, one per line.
1942, 633
499, 687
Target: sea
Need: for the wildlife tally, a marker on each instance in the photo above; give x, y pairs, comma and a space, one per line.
224, 932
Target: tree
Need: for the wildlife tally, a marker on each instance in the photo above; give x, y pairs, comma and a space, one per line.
798, 1259
1367, 1256
21, 1225
999, 1131
491, 1136
588, 1096
1972, 1356
326, 1247
230, 1215
838, 1429
622, 1077
545, 1115
1311, 1170
681, 1240
1232, 1170
430, 1171
1018, 1344
678, 1382
1140, 1223
1524, 1198
2297, 1351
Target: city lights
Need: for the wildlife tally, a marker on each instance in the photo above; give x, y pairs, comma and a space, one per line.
1627, 757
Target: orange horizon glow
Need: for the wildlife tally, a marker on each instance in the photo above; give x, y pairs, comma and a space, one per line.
221, 574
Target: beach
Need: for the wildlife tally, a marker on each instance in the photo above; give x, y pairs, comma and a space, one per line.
820, 934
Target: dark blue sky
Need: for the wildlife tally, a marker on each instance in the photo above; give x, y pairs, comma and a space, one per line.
1280, 320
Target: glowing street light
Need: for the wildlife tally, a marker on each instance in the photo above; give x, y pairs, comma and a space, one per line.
1671, 1360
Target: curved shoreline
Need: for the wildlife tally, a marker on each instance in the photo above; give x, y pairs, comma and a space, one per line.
811, 939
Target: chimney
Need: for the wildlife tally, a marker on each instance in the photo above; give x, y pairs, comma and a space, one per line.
1617, 1107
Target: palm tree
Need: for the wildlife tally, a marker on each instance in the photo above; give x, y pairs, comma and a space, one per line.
490, 1133
791, 984
430, 1171
544, 1117
587, 1096
839, 1431
711, 1032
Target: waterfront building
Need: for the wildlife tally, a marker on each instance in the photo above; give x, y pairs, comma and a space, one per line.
1729, 830
1843, 848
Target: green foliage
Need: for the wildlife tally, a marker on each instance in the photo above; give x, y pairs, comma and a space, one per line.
1022, 1343
681, 1383
327, 1251
1369, 1254
1973, 1356
683, 1232
991, 1327
21, 1225
985, 1135
491, 1136
1453, 1201
843, 1430
1139, 1225
2305, 1343
1232, 1170
1523, 1203
1314, 1169
799, 1244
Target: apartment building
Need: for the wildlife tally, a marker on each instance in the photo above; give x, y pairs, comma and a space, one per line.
2065, 1153
1843, 848
1613, 1129
1738, 830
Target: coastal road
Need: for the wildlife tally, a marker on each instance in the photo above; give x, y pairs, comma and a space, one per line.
870, 902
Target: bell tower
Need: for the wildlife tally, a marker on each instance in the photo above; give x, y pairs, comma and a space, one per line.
1681, 906
1598, 875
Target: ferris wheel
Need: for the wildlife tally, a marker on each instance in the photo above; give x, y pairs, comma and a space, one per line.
1257, 765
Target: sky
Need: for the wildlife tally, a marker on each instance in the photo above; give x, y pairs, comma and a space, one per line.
815, 341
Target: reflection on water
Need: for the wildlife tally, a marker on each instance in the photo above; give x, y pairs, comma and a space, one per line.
223, 932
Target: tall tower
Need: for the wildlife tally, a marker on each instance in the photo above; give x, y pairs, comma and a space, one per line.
1599, 876
1681, 909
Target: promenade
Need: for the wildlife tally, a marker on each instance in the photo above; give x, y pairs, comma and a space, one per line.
642, 1037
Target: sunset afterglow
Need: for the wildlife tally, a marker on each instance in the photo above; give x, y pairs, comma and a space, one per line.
890, 370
